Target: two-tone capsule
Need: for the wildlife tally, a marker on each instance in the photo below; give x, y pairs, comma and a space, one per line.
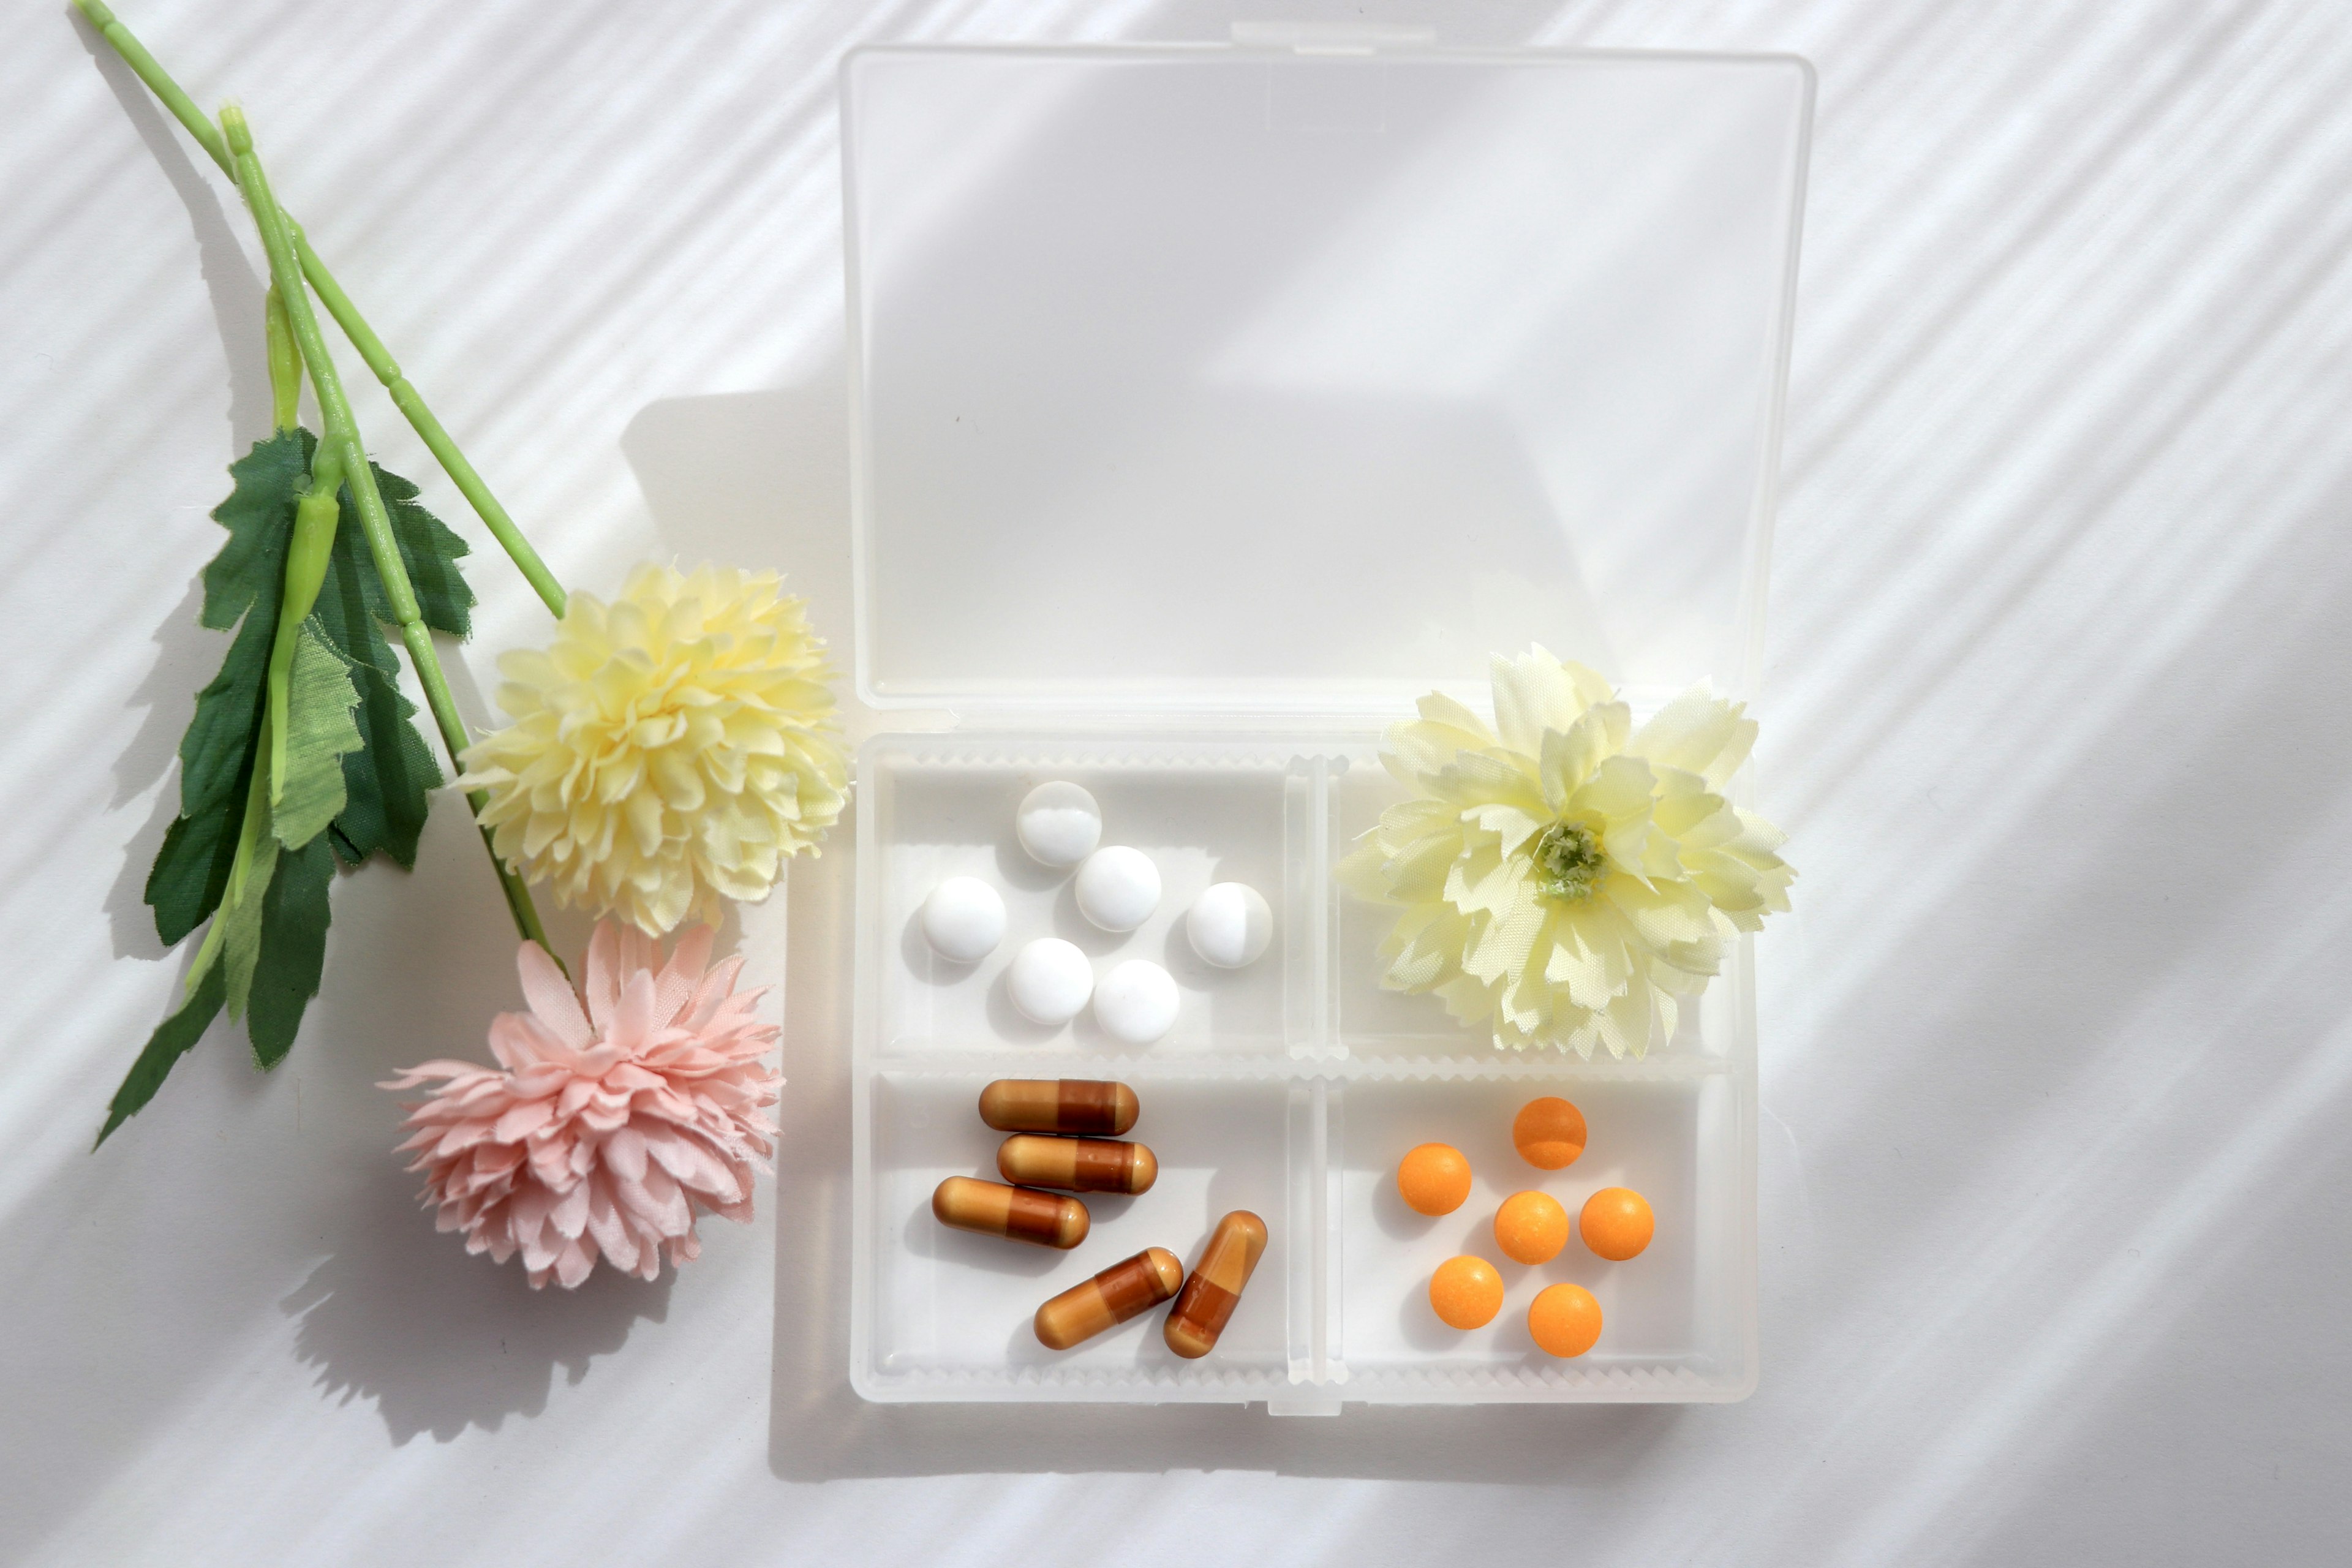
1079, 1106
1015, 1213
1122, 1291
1078, 1164
1206, 1304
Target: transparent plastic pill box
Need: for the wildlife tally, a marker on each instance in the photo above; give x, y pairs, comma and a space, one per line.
1210, 406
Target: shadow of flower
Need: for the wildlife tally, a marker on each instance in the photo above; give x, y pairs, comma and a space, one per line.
440, 1340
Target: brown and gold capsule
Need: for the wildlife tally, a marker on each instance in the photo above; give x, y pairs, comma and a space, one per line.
1209, 1297
1078, 1164
1122, 1291
1016, 1213
1082, 1107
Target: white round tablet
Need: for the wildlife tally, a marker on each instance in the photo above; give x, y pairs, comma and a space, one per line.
963, 919
1059, 824
1117, 888
1230, 925
1050, 981
1136, 1003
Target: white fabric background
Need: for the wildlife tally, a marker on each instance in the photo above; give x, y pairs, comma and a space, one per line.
2057, 1048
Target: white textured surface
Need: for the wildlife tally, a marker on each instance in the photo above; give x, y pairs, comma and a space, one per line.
2058, 1047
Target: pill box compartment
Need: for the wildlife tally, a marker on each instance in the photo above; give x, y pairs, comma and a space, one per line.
1675, 1319
1204, 813
1289, 1089
950, 1311
1209, 406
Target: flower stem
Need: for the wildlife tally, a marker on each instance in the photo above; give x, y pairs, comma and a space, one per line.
374, 522
338, 304
285, 364
444, 450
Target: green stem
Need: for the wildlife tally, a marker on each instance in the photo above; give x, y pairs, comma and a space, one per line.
285, 364
159, 82
444, 450
307, 559
420, 418
374, 522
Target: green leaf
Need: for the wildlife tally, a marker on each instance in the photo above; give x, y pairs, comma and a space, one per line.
428, 550
431, 554
218, 746
319, 734
191, 867
386, 785
293, 949
171, 1041
266, 954
350, 600
248, 578
259, 513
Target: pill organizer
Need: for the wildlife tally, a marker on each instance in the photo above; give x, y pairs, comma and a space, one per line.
1209, 406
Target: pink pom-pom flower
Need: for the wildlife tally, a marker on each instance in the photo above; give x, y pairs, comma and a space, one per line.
605, 1128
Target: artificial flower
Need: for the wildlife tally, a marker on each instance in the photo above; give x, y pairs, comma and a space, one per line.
1563, 876
669, 750
614, 1116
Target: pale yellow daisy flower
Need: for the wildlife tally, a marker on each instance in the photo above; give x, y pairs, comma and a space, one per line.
1562, 876
669, 750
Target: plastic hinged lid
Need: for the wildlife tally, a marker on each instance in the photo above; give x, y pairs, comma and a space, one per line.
1241, 380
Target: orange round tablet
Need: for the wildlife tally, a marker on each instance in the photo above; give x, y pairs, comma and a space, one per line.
1466, 1292
1434, 1179
1548, 1132
1531, 1227
1565, 1320
1616, 1223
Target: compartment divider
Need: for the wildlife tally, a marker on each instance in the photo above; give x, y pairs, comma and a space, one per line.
1309, 966
1311, 1292
1323, 968
1303, 1289
1062, 1062
1331, 1365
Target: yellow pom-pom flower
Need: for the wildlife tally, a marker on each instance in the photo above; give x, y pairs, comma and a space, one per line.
670, 750
1563, 876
